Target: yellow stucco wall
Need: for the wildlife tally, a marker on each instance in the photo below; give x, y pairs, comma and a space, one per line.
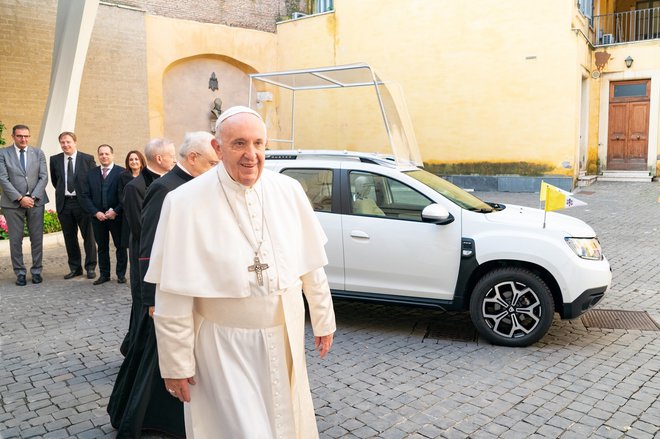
489, 82
169, 41
646, 65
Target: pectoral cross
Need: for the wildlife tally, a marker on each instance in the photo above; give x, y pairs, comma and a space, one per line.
258, 267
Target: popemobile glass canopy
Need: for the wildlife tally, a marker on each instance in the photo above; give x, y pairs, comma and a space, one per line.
335, 108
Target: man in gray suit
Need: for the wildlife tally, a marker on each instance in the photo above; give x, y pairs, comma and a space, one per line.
23, 178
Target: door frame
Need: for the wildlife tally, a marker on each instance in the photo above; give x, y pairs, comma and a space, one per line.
654, 114
628, 122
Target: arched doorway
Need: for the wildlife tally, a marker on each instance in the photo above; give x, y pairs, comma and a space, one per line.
187, 98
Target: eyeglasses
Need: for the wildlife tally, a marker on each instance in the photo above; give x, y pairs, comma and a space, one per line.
22, 136
211, 162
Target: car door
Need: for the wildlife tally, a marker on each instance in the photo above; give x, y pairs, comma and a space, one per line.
388, 249
320, 185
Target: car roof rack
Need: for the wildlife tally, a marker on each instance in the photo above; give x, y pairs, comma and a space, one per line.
302, 154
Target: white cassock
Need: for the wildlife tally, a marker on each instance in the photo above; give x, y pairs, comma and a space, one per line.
243, 342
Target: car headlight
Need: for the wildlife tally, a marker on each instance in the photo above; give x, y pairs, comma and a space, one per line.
586, 248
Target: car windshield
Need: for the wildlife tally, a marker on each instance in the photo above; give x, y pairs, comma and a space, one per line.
450, 191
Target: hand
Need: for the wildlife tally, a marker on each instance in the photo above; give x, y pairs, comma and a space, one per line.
110, 214
323, 344
151, 311
27, 202
100, 216
178, 387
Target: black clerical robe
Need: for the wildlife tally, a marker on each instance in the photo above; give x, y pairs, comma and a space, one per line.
133, 196
139, 400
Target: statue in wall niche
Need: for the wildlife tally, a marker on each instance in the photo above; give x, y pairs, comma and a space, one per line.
216, 111
217, 108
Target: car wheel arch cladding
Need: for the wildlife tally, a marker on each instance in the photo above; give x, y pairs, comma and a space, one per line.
546, 259
512, 306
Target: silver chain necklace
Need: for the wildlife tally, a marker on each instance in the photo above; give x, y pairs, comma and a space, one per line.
257, 267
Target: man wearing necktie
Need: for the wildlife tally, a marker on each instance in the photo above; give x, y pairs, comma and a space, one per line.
68, 173
100, 198
23, 178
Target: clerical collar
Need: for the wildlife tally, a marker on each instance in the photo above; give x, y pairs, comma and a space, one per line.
180, 166
233, 184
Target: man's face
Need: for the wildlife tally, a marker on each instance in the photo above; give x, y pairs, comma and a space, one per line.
242, 148
200, 162
167, 159
105, 156
67, 144
21, 138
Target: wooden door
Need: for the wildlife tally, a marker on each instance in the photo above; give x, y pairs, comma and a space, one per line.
627, 147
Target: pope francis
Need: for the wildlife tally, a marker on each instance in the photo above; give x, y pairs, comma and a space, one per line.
233, 251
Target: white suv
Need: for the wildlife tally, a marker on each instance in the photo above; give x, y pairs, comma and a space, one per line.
399, 234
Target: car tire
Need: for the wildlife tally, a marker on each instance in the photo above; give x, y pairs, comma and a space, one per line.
511, 307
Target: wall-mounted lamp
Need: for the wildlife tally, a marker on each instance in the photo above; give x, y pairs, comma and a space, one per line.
629, 61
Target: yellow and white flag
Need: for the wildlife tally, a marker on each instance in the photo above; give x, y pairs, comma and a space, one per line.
556, 198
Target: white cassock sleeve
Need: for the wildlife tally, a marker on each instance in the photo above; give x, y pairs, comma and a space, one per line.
317, 292
175, 328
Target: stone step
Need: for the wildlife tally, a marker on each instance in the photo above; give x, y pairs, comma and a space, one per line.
586, 180
634, 176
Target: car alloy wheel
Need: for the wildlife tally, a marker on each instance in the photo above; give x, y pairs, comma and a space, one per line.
512, 307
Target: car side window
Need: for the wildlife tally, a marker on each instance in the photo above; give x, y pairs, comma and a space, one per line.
317, 184
377, 195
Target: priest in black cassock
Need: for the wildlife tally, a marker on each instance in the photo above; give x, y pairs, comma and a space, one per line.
139, 400
161, 157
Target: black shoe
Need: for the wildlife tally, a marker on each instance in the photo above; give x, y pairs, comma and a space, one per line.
73, 274
101, 280
37, 279
20, 280
121, 280
91, 274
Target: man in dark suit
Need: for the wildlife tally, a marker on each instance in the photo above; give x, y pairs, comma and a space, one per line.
100, 199
161, 157
139, 400
23, 178
68, 173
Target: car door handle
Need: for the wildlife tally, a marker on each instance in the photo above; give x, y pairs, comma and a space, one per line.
359, 234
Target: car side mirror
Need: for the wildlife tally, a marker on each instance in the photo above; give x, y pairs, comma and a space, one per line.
437, 214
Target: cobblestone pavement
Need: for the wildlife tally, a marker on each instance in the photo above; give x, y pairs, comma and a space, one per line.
387, 376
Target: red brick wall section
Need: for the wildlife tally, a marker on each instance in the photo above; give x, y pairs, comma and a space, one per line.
251, 14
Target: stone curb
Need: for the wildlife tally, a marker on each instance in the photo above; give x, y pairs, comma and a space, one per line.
51, 240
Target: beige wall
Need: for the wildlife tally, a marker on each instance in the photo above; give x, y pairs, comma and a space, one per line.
199, 47
26, 47
492, 81
114, 104
489, 82
112, 107
187, 99
646, 65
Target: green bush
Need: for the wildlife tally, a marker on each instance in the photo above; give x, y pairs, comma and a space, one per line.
51, 222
